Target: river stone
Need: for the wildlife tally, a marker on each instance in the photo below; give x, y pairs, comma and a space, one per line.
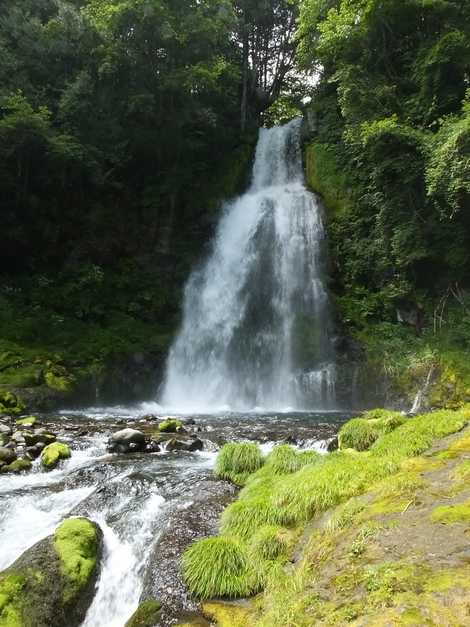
53, 453
53, 582
186, 524
127, 440
5, 429
18, 437
7, 455
19, 465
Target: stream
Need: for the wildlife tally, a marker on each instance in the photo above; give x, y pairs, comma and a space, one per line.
145, 503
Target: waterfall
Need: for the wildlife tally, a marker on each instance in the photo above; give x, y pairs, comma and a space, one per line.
256, 319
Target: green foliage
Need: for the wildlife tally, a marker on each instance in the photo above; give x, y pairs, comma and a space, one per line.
11, 403
76, 542
11, 586
219, 567
236, 461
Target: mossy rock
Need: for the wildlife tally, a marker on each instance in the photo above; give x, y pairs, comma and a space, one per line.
53, 582
170, 425
10, 403
53, 453
451, 514
29, 421
146, 615
60, 383
19, 465
227, 614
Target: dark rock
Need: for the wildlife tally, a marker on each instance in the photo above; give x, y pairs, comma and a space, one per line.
146, 615
176, 445
195, 445
127, 441
152, 447
19, 465
332, 445
7, 455
185, 524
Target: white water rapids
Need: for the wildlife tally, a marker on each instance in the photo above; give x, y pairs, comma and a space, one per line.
256, 320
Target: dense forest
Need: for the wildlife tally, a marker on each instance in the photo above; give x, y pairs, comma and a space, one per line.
124, 123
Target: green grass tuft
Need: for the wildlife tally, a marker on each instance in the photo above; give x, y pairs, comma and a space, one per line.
235, 462
284, 460
219, 567
269, 543
361, 433
245, 516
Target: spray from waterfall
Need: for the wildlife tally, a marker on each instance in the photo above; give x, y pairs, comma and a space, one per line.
256, 330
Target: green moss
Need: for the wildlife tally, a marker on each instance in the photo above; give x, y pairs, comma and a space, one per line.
76, 542
10, 403
219, 567
450, 514
146, 615
325, 176
19, 465
59, 382
53, 453
227, 614
170, 425
27, 422
11, 587
235, 462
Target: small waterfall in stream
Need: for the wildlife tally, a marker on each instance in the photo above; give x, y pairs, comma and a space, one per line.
256, 329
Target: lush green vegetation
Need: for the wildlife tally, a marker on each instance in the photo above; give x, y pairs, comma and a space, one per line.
391, 157
273, 502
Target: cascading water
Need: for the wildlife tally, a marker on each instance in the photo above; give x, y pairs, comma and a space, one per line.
256, 326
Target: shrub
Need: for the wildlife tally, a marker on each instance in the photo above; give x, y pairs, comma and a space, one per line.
235, 462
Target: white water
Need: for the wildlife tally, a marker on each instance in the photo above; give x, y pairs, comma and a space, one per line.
256, 322
125, 553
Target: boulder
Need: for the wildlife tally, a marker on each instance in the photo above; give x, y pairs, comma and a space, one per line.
19, 465
53, 582
171, 425
146, 615
29, 421
53, 453
127, 441
7, 455
5, 429
181, 445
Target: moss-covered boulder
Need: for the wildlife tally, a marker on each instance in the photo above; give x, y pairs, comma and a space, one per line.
11, 404
53, 582
19, 465
53, 453
170, 425
361, 433
146, 615
29, 421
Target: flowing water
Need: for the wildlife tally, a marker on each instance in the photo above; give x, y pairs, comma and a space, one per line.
256, 329
255, 334
132, 497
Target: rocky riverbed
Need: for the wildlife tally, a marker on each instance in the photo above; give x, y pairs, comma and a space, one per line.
149, 488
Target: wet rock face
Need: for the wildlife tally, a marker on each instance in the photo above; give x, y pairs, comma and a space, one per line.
53, 582
195, 519
127, 441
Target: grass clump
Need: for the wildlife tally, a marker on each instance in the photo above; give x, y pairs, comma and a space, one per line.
450, 514
269, 543
361, 433
245, 516
76, 542
235, 462
284, 460
219, 567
